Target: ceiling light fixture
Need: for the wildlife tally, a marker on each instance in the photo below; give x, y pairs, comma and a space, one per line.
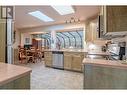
41, 16
73, 20
64, 10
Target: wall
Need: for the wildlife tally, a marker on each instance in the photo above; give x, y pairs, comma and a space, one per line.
52, 27
24, 36
27, 31
17, 39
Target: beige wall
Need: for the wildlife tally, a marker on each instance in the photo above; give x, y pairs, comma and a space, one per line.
2, 39
24, 36
17, 39
53, 27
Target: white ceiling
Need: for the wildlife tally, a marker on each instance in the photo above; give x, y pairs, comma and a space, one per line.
24, 20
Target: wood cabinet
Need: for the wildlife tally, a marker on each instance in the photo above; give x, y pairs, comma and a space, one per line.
91, 30
115, 19
67, 61
73, 61
48, 58
77, 62
104, 77
20, 83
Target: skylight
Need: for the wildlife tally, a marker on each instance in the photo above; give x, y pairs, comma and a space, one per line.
41, 16
64, 10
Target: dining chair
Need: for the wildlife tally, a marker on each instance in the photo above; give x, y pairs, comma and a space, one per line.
30, 54
22, 56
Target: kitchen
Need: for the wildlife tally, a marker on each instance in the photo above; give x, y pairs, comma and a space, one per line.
80, 46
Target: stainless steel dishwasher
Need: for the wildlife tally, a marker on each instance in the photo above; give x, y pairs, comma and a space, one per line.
58, 59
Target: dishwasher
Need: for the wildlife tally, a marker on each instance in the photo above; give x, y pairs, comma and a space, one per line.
58, 59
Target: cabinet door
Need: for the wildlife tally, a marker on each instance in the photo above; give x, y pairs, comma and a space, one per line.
77, 63
91, 31
22, 83
67, 61
48, 58
116, 18
48, 63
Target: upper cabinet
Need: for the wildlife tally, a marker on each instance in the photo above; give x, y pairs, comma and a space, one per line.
115, 19
91, 30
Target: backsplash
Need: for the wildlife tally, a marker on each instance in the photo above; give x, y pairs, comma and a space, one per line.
120, 39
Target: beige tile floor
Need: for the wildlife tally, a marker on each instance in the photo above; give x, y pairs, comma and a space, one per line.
48, 78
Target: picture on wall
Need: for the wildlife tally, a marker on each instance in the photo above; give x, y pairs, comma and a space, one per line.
27, 40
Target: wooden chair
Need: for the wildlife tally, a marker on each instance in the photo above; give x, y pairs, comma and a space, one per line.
22, 56
39, 55
30, 54
32, 48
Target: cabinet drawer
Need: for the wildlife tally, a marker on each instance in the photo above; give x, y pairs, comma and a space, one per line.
48, 53
48, 58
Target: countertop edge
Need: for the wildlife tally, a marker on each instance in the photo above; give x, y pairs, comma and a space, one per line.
104, 63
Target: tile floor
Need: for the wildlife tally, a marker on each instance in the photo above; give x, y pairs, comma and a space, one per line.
48, 78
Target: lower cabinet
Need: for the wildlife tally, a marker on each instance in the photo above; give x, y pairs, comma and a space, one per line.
48, 58
77, 63
73, 61
104, 77
20, 83
67, 61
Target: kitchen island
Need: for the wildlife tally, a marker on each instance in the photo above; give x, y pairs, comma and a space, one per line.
104, 74
72, 58
14, 77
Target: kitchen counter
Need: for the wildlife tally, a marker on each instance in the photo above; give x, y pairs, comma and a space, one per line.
9, 73
68, 59
67, 50
101, 53
90, 52
104, 74
102, 62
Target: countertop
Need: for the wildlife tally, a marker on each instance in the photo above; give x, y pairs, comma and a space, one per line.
9, 72
103, 62
67, 50
99, 53
92, 52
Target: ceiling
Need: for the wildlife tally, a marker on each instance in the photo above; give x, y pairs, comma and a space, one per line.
24, 20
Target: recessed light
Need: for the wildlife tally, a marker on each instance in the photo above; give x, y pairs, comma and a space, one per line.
41, 16
64, 10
